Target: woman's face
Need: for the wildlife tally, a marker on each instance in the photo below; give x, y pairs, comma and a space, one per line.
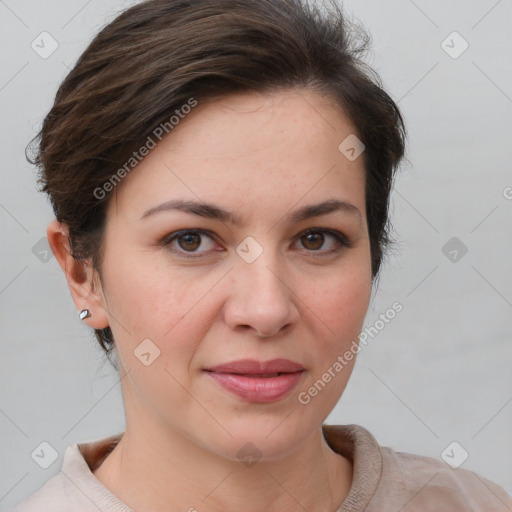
248, 284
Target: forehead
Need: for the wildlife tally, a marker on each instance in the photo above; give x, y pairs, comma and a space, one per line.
258, 120
270, 148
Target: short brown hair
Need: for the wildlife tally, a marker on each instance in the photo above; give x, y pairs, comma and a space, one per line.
156, 55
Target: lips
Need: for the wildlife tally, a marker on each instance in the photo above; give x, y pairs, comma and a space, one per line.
257, 381
257, 368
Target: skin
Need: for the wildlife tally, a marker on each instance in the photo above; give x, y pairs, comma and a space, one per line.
261, 157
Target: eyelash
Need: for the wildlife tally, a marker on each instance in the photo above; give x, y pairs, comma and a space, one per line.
340, 238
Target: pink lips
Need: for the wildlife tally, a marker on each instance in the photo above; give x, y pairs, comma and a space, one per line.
258, 381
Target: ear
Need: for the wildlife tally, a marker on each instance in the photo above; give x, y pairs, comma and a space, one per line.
84, 284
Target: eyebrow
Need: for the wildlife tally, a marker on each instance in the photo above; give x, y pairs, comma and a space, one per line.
212, 211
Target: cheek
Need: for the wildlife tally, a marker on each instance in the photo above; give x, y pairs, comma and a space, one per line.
136, 298
336, 315
340, 305
170, 307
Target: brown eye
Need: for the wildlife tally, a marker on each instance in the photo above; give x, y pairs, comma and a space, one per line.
189, 241
313, 240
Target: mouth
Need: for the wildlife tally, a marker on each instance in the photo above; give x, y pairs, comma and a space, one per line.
253, 367
257, 381
255, 375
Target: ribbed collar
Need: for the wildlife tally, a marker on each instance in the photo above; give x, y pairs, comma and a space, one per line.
359, 446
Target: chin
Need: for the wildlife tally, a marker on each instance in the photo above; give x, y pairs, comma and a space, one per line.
263, 438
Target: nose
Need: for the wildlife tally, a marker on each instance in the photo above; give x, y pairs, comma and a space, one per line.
261, 298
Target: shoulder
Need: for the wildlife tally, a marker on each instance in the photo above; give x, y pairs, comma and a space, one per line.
75, 488
385, 480
62, 494
49, 497
421, 483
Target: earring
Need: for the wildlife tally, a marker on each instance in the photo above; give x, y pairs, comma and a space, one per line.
85, 313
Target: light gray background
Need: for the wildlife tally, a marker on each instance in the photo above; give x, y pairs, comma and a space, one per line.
439, 372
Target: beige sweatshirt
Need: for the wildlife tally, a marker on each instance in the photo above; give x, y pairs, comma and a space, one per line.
384, 480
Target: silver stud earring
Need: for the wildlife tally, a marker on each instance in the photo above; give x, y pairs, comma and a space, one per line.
85, 313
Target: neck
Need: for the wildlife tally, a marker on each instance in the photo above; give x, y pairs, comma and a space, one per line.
169, 472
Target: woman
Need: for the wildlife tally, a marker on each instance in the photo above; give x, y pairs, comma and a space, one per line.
220, 175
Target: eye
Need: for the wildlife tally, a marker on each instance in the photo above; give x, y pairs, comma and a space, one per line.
188, 241
314, 239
